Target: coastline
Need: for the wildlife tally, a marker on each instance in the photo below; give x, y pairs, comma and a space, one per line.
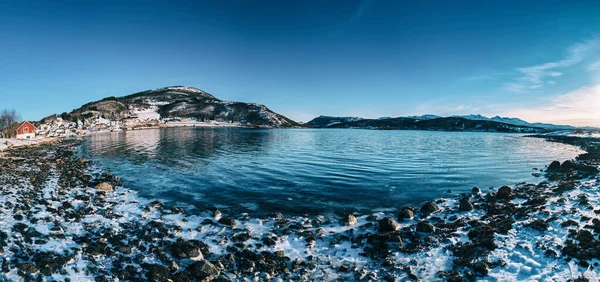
515, 233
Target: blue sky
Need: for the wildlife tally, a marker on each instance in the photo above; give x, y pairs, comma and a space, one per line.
539, 60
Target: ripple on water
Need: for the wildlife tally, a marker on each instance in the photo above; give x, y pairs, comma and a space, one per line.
321, 171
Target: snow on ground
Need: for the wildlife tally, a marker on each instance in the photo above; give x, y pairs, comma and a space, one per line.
576, 133
146, 114
200, 124
8, 143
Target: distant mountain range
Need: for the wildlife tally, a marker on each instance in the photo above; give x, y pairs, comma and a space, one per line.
175, 103
188, 104
434, 122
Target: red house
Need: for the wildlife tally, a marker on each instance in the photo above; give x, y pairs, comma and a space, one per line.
22, 130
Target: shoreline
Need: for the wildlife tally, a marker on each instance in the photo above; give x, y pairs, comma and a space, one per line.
52, 202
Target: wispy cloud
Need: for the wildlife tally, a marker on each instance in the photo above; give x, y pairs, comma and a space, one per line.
580, 107
534, 77
594, 66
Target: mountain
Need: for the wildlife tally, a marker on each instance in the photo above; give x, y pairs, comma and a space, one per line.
424, 117
517, 121
438, 124
327, 121
175, 103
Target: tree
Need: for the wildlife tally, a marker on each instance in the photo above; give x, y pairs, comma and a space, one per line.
7, 118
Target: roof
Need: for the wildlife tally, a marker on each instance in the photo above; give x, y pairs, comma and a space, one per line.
15, 126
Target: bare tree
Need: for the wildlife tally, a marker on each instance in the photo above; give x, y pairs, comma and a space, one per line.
7, 118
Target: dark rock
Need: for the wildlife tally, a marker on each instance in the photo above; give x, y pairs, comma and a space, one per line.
182, 249
429, 207
554, 166
567, 165
504, 193
227, 221
465, 205
156, 272
538, 224
425, 226
202, 270
387, 224
475, 191
405, 213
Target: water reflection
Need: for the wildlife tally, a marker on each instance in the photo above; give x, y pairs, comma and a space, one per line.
315, 171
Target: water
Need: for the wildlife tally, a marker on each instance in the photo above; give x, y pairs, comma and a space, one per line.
309, 171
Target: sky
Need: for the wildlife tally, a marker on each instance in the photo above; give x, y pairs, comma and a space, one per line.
537, 60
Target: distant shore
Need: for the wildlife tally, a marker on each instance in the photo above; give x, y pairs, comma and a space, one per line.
65, 218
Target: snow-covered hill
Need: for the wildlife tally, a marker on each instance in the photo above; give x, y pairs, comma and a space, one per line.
175, 104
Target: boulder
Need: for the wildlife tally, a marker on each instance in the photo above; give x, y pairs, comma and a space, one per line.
348, 220
465, 205
202, 270
429, 207
554, 166
104, 187
568, 165
182, 249
227, 221
475, 191
387, 224
504, 193
425, 226
405, 213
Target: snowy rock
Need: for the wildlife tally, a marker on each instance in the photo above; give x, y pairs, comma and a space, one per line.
348, 220
104, 187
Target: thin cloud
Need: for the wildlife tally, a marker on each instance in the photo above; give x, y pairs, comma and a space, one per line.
594, 66
580, 107
534, 77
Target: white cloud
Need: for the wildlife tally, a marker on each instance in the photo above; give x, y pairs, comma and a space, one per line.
594, 66
534, 77
580, 107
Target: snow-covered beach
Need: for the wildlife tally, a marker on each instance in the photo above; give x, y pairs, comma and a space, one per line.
64, 219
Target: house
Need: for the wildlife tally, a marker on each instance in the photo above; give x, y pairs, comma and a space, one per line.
21, 130
129, 122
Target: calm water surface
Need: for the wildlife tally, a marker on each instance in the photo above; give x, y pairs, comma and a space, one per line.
298, 171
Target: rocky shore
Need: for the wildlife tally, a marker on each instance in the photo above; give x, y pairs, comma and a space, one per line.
63, 219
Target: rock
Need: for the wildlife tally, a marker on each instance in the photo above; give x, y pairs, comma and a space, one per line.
504, 193
475, 191
182, 249
104, 187
125, 249
156, 272
405, 213
387, 224
425, 226
227, 221
554, 166
465, 205
536, 201
538, 224
429, 207
202, 270
567, 165
348, 220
